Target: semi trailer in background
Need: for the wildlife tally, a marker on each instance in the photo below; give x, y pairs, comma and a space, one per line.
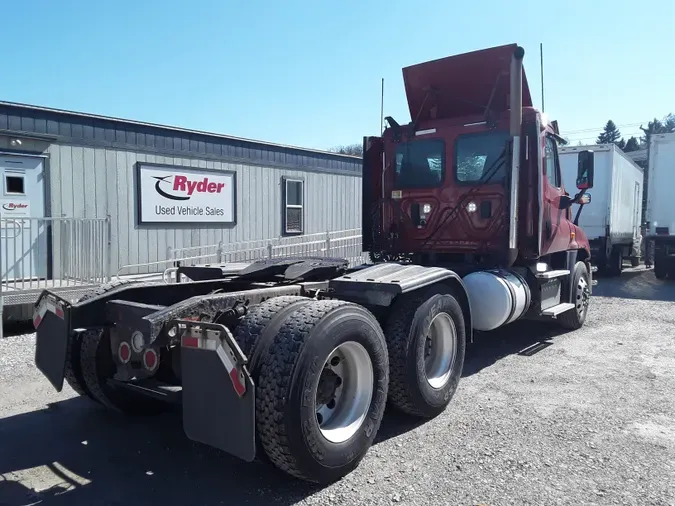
661, 203
612, 221
294, 359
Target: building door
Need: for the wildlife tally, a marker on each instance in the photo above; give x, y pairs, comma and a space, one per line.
23, 237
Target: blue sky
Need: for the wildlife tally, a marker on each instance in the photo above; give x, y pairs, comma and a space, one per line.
308, 73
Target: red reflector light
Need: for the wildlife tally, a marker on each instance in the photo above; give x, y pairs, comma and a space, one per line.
150, 360
239, 386
190, 342
124, 352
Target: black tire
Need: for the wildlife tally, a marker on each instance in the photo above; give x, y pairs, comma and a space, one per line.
660, 268
634, 261
255, 333
575, 318
106, 287
98, 366
286, 416
406, 330
615, 262
261, 324
73, 370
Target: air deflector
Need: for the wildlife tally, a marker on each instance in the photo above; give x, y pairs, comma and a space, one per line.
461, 85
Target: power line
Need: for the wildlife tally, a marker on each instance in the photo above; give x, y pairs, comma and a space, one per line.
586, 135
624, 125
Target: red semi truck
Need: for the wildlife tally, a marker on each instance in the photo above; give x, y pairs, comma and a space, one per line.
293, 359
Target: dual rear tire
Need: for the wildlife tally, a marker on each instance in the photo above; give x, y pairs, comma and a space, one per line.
89, 365
324, 371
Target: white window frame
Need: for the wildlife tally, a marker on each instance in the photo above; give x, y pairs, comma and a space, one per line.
17, 175
288, 206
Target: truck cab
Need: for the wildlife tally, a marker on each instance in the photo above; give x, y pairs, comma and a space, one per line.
447, 188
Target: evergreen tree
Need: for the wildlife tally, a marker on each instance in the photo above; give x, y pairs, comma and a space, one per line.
631, 145
669, 123
609, 135
621, 144
653, 127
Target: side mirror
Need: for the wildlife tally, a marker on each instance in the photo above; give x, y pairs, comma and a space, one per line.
585, 170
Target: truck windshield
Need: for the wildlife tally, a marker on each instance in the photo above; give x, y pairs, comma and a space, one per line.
420, 163
477, 156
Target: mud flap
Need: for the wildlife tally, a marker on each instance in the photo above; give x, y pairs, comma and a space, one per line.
218, 392
51, 319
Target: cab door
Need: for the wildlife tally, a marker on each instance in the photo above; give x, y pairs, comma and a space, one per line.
555, 226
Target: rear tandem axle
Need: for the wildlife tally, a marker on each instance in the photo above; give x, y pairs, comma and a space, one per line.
292, 360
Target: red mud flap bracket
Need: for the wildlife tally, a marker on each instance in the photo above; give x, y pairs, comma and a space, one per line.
51, 319
218, 392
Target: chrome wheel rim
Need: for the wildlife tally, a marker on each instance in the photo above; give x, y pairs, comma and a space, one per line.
440, 350
344, 392
583, 296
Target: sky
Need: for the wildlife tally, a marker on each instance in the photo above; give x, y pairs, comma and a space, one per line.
308, 73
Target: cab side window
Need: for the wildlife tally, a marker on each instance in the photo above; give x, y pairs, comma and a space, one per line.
551, 162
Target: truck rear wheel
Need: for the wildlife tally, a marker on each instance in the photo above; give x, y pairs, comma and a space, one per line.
322, 390
73, 370
98, 367
255, 333
426, 339
257, 329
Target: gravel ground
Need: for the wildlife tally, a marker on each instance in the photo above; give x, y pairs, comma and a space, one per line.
581, 418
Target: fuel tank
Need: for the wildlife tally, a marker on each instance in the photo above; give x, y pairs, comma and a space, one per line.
497, 297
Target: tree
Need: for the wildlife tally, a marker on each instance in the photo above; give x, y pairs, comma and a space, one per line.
609, 135
667, 125
350, 149
653, 127
631, 145
621, 144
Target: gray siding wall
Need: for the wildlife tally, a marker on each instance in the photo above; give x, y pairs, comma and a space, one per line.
95, 182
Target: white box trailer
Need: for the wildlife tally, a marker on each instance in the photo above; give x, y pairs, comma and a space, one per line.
612, 220
661, 203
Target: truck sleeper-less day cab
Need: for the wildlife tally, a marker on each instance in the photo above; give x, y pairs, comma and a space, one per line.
294, 359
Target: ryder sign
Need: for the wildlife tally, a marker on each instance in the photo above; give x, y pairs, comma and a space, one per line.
169, 194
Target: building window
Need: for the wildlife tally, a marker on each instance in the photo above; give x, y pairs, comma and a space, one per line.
14, 185
293, 218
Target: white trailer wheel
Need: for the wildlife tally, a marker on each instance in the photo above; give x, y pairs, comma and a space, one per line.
440, 350
344, 392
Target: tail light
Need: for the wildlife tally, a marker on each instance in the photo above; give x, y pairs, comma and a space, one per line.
150, 359
124, 352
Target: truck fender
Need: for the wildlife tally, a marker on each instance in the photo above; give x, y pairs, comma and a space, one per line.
380, 284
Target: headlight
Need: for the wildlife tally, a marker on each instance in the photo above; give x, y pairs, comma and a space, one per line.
426, 208
471, 207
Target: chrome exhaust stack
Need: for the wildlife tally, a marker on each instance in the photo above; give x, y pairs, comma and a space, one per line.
516, 122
